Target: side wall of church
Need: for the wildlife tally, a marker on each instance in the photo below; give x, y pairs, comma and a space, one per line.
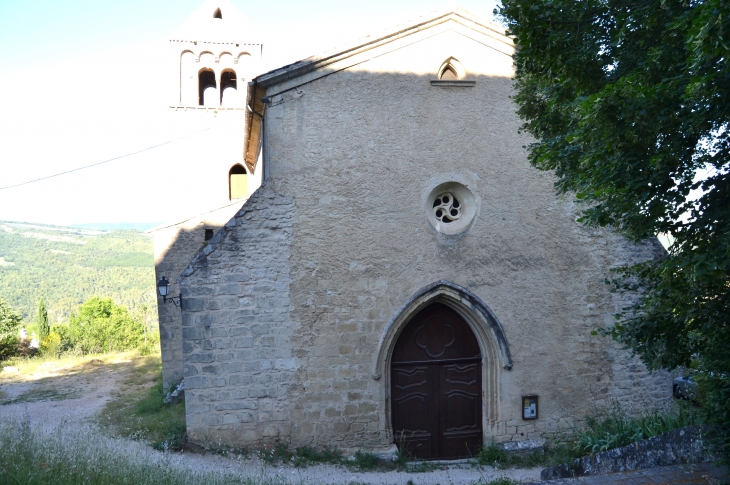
175, 246
338, 240
237, 351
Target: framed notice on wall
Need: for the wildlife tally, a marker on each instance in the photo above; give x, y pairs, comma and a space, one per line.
529, 407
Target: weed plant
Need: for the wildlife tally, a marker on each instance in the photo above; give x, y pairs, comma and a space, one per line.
616, 428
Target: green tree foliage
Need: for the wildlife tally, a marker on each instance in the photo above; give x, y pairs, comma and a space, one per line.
44, 328
628, 101
9, 326
101, 326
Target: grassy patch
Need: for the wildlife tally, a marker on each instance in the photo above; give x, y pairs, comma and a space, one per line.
138, 410
69, 456
36, 395
615, 428
603, 431
494, 455
500, 481
306, 456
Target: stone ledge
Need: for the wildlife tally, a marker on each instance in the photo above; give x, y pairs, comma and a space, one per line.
524, 447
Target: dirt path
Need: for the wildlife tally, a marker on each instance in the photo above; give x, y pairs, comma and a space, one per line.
73, 390
76, 391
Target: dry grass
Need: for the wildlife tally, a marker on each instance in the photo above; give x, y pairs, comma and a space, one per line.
37, 368
70, 455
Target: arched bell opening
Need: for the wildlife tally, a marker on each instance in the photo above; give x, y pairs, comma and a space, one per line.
207, 88
493, 349
229, 87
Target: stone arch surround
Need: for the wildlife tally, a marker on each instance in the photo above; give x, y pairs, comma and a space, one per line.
488, 330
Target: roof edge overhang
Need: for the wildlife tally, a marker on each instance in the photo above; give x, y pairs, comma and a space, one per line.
254, 116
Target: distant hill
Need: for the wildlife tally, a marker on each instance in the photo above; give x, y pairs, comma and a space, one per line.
108, 226
68, 265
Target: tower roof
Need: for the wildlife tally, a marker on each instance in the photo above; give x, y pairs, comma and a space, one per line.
215, 21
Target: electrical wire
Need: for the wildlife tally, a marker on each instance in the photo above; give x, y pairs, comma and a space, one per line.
105, 161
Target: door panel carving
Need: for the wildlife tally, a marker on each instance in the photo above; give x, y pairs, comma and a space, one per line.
436, 386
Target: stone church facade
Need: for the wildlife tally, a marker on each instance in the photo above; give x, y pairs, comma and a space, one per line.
402, 275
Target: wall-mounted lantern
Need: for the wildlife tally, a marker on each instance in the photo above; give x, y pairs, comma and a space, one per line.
529, 407
163, 287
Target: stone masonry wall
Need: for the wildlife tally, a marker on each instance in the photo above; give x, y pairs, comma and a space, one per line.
175, 246
236, 327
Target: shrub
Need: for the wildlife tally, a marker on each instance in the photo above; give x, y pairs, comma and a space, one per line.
101, 326
61, 329
50, 344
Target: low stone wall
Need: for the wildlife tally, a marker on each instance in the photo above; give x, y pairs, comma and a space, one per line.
676, 447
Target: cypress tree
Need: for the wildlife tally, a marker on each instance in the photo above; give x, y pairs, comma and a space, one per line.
44, 328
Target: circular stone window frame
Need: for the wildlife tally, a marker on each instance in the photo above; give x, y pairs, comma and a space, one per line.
467, 202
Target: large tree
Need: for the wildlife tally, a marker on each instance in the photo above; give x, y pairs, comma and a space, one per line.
629, 104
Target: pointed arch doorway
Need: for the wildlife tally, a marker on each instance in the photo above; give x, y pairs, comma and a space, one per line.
436, 386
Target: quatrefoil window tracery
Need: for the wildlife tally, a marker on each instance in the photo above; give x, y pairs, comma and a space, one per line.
447, 208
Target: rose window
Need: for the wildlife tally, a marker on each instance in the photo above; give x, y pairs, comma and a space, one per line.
447, 208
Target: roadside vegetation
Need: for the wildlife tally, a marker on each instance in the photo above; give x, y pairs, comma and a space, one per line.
76, 455
604, 430
138, 410
98, 326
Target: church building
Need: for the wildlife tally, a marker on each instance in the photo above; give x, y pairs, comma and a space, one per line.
402, 276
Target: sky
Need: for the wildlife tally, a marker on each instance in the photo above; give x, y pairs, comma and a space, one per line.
82, 83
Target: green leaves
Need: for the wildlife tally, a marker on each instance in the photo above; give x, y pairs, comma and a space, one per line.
101, 326
628, 101
9, 326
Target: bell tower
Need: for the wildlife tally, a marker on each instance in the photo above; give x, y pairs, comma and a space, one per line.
216, 57
211, 59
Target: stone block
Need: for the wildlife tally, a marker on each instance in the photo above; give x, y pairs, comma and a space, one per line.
193, 304
201, 358
193, 333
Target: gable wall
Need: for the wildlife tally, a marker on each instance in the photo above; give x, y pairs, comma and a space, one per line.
357, 153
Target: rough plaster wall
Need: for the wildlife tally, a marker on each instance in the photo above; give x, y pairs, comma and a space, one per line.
358, 152
361, 149
237, 327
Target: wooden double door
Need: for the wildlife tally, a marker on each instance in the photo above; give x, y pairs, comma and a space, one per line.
436, 386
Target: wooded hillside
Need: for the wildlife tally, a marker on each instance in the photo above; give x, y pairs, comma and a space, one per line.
66, 266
